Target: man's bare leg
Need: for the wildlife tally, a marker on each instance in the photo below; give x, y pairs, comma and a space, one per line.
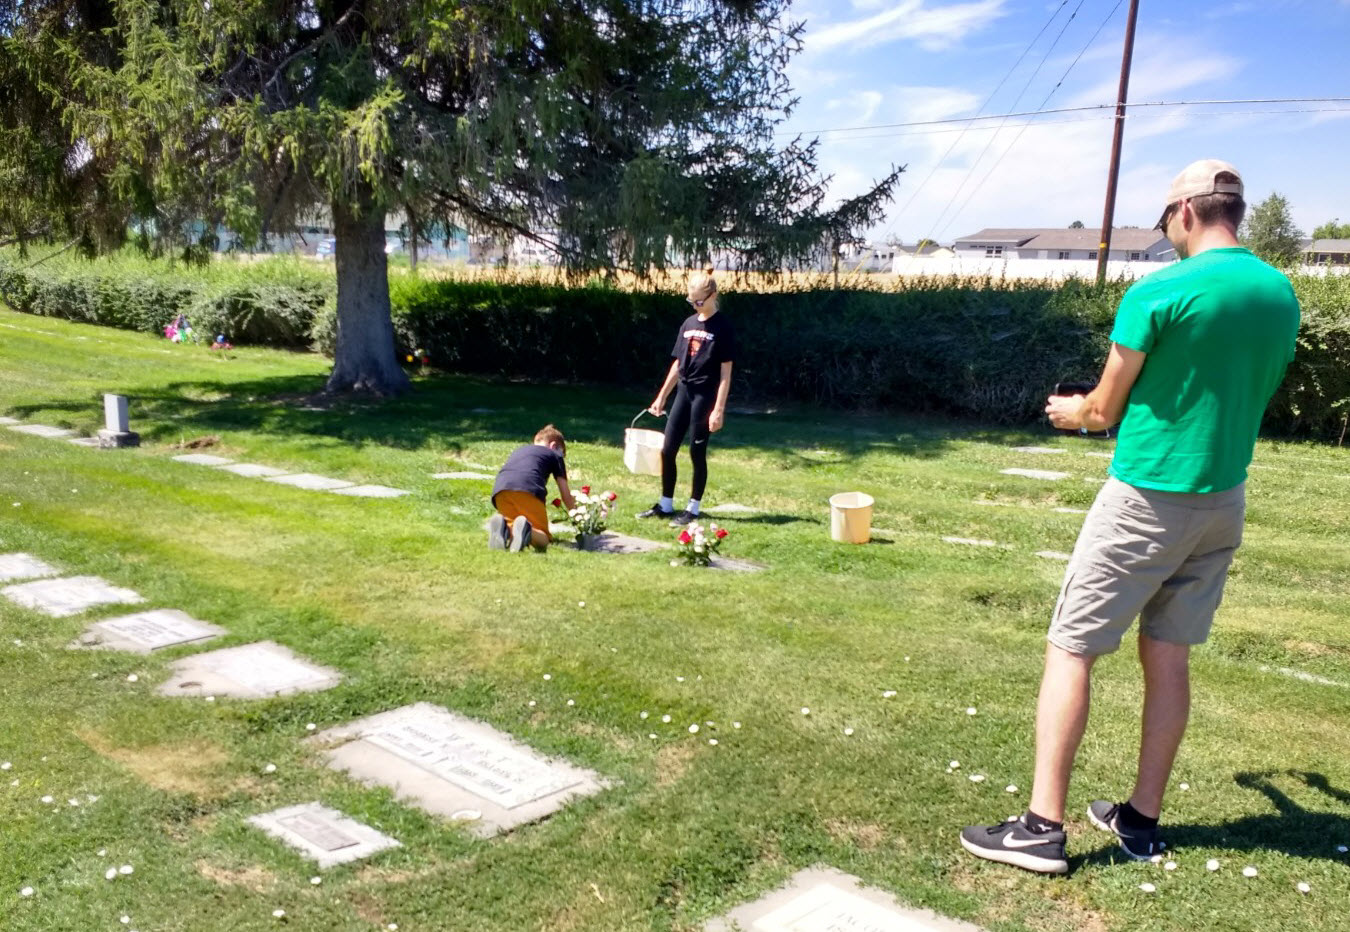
1061, 717
1167, 707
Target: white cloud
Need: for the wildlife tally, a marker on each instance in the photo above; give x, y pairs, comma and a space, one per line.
932, 27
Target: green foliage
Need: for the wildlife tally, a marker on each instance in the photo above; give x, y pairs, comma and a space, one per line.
1269, 231
271, 303
1332, 229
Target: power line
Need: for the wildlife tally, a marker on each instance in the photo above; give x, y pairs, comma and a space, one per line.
1080, 109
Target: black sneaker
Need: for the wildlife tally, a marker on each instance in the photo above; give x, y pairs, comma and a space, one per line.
683, 519
656, 511
1013, 843
1142, 844
499, 536
521, 532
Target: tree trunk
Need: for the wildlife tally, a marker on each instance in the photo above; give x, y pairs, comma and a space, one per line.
412, 242
365, 359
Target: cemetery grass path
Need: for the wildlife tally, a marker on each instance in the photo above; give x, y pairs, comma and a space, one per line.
404, 598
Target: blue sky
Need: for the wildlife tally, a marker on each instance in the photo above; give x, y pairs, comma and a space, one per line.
868, 63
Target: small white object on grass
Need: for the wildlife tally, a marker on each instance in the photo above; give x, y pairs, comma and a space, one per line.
1302, 887
805, 710
102, 852
1249, 871
887, 694
6, 765
126, 869
643, 715
571, 702
1156, 859
954, 765
1185, 786
532, 703
1010, 788
46, 799
651, 735
738, 725
548, 676
73, 801
210, 698
125, 920
1148, 888
971, 711
311, 726
278, 914
316, 880
713, 742
270, 768
132, 677
1212, 864
679, 679
581, 605
848, 732
110, 873
693, 729
1170, 866
26, 891
392, 927
665, 719
977, 778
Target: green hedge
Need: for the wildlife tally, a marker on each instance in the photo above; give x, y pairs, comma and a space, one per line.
272, 302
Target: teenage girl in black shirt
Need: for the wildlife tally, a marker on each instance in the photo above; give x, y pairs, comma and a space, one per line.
700, 372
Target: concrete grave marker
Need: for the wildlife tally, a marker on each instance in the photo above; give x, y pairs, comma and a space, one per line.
461, 475
24, 566
1043, 450
736, 565
145, 632
307, 480
1035, 474
614, 542
322, 834
1100, 455
117, 430
371, 491
203, 459
827, 900
450, 765
42, 430
253, 671
7, 421
60, 598
731, 508
253, 470
1070, 511
971, 542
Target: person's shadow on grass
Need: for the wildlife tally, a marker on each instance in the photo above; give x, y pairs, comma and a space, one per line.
1292, 828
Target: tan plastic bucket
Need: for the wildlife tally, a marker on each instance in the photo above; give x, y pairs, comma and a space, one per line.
851, 517
642, 449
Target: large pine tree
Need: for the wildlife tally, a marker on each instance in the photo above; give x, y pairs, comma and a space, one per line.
640, 131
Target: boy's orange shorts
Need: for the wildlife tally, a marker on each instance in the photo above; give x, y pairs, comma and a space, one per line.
511, 503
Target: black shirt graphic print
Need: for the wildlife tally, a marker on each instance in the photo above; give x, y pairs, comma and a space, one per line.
701, 346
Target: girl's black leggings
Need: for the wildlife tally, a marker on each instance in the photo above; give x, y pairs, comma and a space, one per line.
688, 407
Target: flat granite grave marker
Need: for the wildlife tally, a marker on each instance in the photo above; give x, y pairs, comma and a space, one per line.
1042, 450
145, 632
371, 491
1100, 455
42, 430
71, 595
311, 482
731, 508
7, 421
322, 834
253, 671
827, 900
203, 459
614, 542
1035, 474
461, 475
735, 565
24, 566
253, 470
453, 766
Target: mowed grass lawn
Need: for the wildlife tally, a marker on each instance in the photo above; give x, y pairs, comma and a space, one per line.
403, 597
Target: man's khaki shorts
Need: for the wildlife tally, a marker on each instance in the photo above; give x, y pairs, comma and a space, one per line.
1162, 556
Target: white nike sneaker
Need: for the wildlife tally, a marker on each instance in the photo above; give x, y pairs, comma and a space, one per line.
1013, 843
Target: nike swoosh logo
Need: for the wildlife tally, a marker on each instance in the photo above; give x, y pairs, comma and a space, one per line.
700, 441
1010, 842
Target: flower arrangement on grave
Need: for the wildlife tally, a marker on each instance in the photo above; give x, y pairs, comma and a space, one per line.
180, 331
697, 545
590, 515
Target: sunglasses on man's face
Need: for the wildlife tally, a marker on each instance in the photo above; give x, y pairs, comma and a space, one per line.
1167, 217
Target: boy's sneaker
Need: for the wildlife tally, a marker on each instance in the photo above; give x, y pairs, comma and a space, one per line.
656, 511
1013, 843
521, 532
683, 518
499, 536
1139, 843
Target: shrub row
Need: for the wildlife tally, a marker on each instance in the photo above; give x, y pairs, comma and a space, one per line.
271, 303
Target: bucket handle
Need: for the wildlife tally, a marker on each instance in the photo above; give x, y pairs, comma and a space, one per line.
633, 422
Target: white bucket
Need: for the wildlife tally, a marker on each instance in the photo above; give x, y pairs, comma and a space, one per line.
642, 449
851, 517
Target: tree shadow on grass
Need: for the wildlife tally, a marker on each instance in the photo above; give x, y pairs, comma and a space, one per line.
451, 412
1293, 828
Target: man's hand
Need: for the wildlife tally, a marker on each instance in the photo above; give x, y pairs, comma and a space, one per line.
1063, 411
715, 419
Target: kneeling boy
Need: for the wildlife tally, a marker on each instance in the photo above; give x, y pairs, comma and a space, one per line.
521, 490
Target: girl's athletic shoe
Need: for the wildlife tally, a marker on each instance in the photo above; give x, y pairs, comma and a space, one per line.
1013, 843
1139, 843
656, 511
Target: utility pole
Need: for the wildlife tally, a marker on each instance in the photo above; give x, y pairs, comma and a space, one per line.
1109, 215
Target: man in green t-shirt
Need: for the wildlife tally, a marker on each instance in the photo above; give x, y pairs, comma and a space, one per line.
1197, 351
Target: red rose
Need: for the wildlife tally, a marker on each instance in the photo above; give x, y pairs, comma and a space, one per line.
557, 503
721, 532
586, 489
684, 537
613, 496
